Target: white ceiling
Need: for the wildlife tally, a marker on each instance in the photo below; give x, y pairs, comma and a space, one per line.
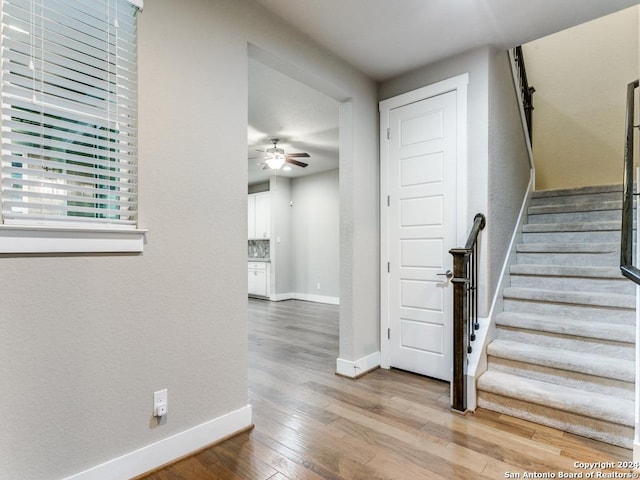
383, 39
302, 118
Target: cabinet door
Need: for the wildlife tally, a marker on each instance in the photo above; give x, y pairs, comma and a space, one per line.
262, 218
251, 216
261, 283
257, 282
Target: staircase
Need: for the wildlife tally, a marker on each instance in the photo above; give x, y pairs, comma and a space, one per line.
564, 349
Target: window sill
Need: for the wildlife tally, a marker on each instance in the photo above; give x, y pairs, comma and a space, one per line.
45, 239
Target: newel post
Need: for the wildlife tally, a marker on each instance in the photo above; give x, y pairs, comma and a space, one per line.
465, 311
460, 282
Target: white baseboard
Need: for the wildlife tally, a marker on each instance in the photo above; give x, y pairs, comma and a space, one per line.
353, 369
169, 449
317, 298
308, 297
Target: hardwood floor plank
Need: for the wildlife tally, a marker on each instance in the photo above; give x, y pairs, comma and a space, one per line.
311, 424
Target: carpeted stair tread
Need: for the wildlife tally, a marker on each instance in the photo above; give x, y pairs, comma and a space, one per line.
561, 247
566, 271
608, 300
568, 326
576, 192
593, 405
587, 363
576, 207
563, 354
571, 227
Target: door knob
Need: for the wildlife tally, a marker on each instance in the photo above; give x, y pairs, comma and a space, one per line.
448, 274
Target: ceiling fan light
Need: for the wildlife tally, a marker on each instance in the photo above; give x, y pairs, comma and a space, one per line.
275, 162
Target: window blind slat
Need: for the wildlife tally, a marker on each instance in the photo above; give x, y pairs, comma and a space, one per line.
69, 111
45, 158
22, 109
66, 130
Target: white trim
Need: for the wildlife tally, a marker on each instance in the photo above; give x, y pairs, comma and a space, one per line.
307, 297
458, 84
279, 297
169, 449
356, 368
19, 239
317, 298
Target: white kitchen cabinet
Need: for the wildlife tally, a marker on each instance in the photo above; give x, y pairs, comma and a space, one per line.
258, 215
258, 279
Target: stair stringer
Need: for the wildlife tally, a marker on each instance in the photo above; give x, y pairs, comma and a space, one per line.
477, 359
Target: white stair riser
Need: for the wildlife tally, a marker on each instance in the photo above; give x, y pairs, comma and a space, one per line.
588, 383
621, 285
624, 351
597, 429
600, 314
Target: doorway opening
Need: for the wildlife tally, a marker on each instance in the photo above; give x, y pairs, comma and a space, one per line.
294, 252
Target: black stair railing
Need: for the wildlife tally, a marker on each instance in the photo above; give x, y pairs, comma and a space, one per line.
526, 90
626, 239
465, 310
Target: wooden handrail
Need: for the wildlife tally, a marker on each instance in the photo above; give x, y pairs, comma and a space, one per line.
465, 310
626, 238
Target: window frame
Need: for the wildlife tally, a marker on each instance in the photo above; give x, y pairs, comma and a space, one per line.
29, 236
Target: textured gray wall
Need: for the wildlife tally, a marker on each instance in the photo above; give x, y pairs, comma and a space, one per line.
509, 168
282, 241
316, 234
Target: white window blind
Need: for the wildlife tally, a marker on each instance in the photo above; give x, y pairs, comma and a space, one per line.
69, 113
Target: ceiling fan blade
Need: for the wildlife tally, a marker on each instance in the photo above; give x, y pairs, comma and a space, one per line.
296, 162
297, 155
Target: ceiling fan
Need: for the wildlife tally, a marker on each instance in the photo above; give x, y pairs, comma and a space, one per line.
275, 158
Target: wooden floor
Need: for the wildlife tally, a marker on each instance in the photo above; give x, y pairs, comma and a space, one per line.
312, 424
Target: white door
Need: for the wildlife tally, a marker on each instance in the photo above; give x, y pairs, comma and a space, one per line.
422, 228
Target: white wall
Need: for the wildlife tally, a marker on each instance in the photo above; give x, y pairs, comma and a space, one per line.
282, 241
86, 339
580, 76
316, 232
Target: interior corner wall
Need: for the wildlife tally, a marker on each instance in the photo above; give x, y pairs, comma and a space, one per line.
316, 233
282, 240
476, 64
87, 339
509, 166
580, 76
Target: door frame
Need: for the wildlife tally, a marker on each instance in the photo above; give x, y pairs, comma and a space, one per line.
458, 84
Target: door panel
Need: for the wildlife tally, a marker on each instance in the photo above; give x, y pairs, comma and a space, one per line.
422, 222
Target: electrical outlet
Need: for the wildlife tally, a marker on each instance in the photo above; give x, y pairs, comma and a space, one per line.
318, 286
160, 402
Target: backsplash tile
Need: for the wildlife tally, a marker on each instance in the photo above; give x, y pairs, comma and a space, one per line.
259, 249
